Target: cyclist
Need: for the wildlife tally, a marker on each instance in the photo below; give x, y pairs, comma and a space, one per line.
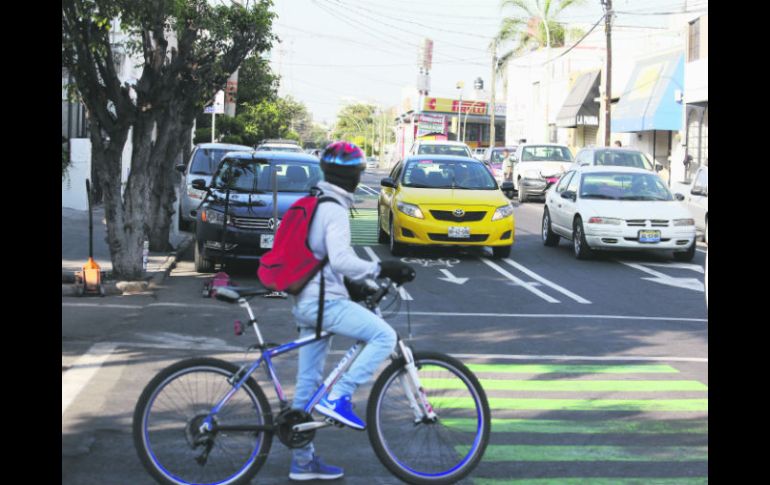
342, 164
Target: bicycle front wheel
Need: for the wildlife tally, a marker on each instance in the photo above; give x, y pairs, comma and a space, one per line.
419, 450
168, 419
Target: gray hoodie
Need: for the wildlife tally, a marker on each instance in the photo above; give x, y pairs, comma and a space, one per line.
330, 235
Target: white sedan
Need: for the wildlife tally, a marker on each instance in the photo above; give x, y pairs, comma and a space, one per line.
617, 208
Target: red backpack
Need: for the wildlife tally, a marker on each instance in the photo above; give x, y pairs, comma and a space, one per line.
290, 264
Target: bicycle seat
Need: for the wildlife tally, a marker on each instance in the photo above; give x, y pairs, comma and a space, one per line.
231, 294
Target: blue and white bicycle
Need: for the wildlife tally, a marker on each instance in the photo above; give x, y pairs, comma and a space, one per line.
207, 421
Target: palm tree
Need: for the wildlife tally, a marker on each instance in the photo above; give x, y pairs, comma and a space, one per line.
532, 26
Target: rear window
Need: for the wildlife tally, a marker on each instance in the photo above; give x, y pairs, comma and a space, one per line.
280, 149
206, 160
255, 176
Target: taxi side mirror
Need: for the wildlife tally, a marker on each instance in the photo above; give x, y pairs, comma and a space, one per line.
388, 182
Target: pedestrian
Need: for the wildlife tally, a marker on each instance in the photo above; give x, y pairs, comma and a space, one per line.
507, 165
329, 236
618, 144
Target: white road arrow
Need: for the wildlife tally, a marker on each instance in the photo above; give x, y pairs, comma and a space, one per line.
687, 283
452, 278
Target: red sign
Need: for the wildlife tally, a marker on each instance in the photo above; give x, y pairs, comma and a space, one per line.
472, 107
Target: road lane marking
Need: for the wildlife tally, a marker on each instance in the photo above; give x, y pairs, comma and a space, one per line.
587, 404
524, 284
561, 426
452, 278
556, 315
546, 282
77, 376
664, 279
593, 453
573, 368
569, 386
401, 291
593, 481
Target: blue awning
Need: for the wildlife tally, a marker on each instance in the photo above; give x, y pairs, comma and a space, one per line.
648, 102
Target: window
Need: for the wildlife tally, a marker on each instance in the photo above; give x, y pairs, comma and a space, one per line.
206, 160
701, 182
255, 176
693, 53
565, 180
448, 174
624, 186
572, 186
549, 153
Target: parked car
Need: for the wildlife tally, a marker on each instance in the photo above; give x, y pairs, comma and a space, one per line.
444, 200
493, 157
537, 166
617, 208
202, 163
251, 219
435, 147
697, 201
478, 153
615, 156
279, 146
372, 163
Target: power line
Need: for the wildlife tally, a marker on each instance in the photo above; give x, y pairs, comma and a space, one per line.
576, 43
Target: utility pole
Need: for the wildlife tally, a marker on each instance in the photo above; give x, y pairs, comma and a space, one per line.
493, 80
607, 4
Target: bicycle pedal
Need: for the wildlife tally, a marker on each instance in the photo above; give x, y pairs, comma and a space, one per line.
334, 422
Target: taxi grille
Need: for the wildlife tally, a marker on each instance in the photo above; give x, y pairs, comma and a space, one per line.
250, 223
471, 216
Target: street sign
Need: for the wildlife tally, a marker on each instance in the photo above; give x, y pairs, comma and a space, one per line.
219, 104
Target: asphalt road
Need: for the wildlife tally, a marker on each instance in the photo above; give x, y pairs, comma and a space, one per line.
598, 370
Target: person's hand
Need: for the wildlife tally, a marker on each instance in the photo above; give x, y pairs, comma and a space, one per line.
397, 271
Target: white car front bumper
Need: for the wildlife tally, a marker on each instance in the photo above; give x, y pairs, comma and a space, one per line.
604, 237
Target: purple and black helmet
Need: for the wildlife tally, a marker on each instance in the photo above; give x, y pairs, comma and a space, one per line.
342, 164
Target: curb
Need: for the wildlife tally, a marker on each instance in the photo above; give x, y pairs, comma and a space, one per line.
153, 282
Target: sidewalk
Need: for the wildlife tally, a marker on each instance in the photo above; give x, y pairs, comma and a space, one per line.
74, 252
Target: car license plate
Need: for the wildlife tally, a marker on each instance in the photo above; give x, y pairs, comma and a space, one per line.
649, 236
266, 241
460, 232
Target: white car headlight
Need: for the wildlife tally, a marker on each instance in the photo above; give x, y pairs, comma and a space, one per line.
410, 209
684, 222
605, 220
503, 212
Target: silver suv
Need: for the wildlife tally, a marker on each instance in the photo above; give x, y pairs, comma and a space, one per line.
202, 164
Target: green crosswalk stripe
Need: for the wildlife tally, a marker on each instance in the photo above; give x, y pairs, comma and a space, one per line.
569, 386
363, 227
594, 481
572, 368
650, 405
569, 453
559, 426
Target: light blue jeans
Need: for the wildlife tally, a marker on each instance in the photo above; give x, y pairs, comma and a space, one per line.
341, 317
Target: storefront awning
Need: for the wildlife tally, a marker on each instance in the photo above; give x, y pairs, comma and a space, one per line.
580, 107
649, 100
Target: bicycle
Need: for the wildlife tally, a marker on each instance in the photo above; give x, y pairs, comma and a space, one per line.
204, 420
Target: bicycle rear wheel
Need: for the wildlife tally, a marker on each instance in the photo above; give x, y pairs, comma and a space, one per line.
171, 410
439, 451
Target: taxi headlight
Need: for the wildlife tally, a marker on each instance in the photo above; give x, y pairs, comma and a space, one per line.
503, 212
410, 209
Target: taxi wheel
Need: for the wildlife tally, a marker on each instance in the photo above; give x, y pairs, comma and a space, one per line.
382, 236
500, 252
396, 248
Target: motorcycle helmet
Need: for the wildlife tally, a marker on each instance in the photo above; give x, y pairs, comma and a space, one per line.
342, 164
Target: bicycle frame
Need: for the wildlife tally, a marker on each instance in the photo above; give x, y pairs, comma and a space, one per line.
421, 408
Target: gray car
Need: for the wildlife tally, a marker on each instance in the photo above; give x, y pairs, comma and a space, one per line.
203, 162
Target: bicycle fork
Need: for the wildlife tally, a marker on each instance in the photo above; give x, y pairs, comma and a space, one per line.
415, 393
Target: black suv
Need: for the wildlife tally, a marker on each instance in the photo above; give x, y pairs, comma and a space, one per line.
251, 218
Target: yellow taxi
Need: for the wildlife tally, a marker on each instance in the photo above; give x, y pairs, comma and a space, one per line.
444, 200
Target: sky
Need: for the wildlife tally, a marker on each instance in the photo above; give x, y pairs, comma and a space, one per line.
336, 52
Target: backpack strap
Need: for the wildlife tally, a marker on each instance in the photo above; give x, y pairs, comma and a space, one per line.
321, 293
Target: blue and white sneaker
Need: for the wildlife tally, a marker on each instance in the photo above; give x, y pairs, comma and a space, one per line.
340, 409
314, 470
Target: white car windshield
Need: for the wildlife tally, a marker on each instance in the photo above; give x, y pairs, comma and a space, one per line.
545, 153
624, 186
448, 174
622, 159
